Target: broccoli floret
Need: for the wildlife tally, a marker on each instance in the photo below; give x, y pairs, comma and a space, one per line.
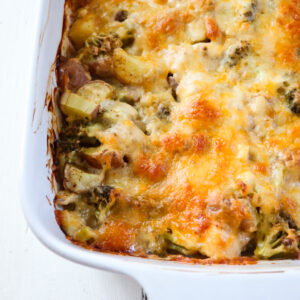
276, 240
293, 98
101, 195
73, 143
104, 198
236, 53
72, 137
103, 43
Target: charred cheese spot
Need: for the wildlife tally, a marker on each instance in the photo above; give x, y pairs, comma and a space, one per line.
199, 142
288, 46
116, 235
165, 24
174, 142
153, 168
202, 110
212, 29
262, 168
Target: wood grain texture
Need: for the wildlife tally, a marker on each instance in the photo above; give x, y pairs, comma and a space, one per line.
28, 270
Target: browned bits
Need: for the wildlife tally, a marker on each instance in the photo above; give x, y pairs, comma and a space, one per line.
203, 110
81, 3
287, 242
174, 142
121, 15
173, 84
153, 168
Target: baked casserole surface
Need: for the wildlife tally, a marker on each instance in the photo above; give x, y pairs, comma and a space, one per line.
179, 129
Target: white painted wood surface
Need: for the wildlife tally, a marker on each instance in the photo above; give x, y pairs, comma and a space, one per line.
29, 271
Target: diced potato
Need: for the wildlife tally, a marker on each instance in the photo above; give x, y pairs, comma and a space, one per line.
76, 106
86, 234
128, 94
71, 222
96, 91
220, 243
78, 181
115, 111
196, 31
74, 226
130, 69
92, 155
126, 137
82, 29
103, 157
259, 106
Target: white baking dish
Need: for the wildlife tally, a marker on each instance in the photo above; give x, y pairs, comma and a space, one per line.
161, 280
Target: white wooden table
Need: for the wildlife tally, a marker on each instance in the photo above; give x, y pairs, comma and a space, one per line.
29, 271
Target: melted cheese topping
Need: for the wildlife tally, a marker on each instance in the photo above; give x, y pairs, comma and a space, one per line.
206, 157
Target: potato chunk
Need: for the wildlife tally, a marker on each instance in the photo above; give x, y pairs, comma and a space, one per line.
79, 181
130, 69
96, 91
82, 29
76, 106
102, 157
115, 111
65, 198
74, 226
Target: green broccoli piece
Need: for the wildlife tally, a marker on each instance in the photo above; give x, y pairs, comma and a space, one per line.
293, 98
103, 43
276, 240
236, 53
73, 137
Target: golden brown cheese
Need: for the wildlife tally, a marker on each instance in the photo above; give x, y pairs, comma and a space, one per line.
197, 142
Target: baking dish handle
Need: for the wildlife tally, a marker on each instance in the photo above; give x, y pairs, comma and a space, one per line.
170, 286
181, 285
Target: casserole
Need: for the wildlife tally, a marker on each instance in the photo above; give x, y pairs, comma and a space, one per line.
161, 280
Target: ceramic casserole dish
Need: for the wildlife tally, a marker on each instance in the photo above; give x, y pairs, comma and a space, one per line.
160, 279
